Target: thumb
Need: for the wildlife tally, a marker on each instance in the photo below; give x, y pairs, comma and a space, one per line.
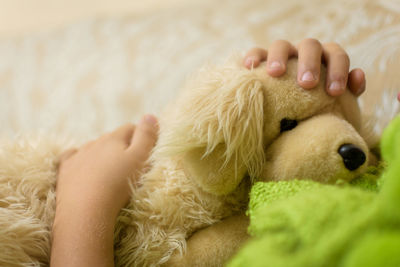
143, 139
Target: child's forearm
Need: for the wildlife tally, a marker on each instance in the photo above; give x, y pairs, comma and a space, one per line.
91, 189
83, 233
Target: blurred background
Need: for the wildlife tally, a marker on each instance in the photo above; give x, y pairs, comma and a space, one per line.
18, 17
84, 67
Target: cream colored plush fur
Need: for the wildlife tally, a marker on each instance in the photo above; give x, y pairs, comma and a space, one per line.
219, 137
28, 171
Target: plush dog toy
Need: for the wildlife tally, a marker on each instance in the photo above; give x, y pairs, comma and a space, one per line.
232, 126
308, 224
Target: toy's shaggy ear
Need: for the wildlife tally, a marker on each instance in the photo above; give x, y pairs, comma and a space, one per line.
218, 127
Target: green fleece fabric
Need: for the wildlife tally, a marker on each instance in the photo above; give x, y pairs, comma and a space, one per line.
304, 223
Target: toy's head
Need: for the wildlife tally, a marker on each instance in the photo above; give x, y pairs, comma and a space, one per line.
324, 148
233, 122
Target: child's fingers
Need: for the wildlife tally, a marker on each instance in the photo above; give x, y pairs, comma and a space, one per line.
356, 82
338, 64
124, 133
278, 54
143, 140
310, 54
254, 57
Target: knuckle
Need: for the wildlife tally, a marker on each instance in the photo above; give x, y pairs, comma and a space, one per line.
310, 41
339, 61
148, 132
256, 51
334, 49
127, 127
281, 48
280, 42
342, 56
122, 131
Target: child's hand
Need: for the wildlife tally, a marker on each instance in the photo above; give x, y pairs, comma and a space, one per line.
91, 189
101, 168
310, 53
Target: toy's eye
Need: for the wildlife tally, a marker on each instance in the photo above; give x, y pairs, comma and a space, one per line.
287, 124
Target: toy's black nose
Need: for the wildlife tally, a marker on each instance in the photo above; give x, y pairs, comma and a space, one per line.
353, 157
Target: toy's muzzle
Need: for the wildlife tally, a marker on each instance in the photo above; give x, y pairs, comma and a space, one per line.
353, 157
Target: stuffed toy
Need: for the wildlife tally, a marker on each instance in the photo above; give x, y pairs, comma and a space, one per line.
304, 223
230, 128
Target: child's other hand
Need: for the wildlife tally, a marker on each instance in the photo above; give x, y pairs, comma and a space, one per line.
100, 169
310, 53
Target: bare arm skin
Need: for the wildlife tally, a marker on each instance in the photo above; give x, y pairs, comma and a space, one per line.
92, 187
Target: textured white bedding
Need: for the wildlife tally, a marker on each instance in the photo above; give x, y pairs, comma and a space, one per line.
94, 75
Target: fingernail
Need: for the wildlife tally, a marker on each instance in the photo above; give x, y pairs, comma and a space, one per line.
308, 77
150, 119
336, 87
249, 62
275, 65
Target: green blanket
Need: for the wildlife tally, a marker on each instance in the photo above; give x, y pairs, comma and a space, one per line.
304, 223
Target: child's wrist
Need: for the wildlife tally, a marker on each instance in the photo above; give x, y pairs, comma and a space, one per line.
84, 227
88, 203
